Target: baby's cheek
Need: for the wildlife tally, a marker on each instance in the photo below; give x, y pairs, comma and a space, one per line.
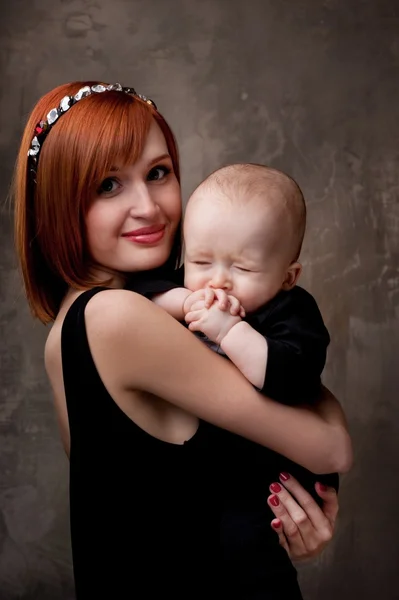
193, 281
249, 295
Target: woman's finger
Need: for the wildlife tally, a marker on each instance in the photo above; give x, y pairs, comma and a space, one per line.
305, 501
277, 526
306, 528
298, 547
294, 509
330, 506
290, 528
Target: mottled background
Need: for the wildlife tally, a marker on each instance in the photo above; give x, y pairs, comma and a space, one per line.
308, 86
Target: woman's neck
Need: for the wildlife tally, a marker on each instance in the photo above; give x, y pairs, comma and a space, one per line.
108, 278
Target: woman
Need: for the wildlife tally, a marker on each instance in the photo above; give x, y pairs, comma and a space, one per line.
139, 399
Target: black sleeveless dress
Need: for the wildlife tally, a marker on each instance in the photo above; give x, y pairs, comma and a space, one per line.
144, 519
151, 519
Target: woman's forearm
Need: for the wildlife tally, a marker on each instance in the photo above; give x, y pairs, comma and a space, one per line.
331, 411
316, 437
154, 353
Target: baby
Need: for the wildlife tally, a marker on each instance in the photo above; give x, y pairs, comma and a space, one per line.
243, 231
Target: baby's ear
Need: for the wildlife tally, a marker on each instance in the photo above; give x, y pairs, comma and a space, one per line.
292, 276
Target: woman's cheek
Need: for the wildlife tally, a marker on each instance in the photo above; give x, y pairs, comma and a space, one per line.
173, 203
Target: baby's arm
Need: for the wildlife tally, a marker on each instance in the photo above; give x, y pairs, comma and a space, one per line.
244, 346
297, 341
173, 301
247, 349
165, 288
285, 359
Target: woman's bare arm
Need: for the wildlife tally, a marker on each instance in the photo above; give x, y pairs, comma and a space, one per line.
147, 350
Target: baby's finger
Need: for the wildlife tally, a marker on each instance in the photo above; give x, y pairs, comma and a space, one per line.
198, 305
194, 315
209, 297
242, 312
192, 299
223, 300
195, 326
234, 305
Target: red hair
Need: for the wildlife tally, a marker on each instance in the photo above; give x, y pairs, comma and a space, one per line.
98, 132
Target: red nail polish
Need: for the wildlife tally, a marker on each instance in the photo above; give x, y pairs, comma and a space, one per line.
322, 487
276, 523
275, 487
274, 501
284, 476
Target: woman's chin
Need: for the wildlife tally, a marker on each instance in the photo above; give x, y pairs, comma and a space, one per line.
153, 260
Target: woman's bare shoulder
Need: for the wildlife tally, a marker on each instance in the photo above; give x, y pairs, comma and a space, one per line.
105, 311
112, 310
52, 347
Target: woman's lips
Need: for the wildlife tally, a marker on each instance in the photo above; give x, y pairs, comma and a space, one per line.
146, 235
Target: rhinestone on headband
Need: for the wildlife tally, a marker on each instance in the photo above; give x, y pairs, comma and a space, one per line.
42, 129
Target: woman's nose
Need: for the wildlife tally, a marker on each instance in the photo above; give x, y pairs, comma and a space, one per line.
144, 206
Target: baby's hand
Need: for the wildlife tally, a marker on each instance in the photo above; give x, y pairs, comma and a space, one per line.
210, 296
192, 299
213, 322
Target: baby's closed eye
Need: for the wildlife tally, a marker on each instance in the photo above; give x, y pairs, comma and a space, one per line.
244, 269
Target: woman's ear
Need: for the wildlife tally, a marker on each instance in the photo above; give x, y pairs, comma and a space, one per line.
292, 276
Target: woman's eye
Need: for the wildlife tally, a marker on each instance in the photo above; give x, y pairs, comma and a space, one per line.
200, 262
108, 186
243, 270
158, 173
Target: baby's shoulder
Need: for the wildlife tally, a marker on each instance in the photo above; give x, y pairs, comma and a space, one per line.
297, 303
298, 295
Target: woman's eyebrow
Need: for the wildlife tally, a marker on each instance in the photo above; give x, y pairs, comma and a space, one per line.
158, 159
154, 161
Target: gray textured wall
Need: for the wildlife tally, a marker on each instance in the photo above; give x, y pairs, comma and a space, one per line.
307, 86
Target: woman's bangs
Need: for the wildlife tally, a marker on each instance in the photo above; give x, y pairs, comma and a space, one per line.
112, 135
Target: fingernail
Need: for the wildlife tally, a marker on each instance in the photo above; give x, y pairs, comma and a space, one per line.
274, 501
276, 523
284, 476
322, 487
275, 487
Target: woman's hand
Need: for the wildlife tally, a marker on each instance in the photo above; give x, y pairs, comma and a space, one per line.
303, 528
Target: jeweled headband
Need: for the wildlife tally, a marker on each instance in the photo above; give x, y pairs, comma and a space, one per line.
43, 128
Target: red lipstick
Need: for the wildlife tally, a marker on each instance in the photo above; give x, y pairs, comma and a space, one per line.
146, 235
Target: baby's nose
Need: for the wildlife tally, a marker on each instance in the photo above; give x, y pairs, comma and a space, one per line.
220, 280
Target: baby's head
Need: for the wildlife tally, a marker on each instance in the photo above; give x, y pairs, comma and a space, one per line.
243, 232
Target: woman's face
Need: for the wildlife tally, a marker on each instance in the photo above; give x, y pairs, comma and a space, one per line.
132, 221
